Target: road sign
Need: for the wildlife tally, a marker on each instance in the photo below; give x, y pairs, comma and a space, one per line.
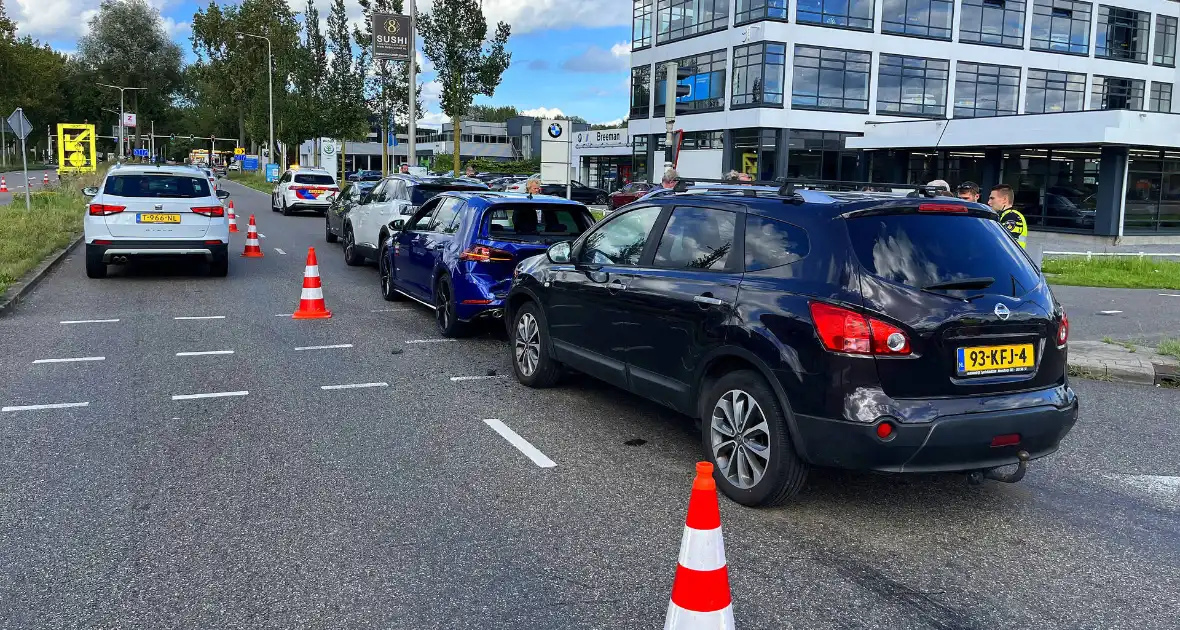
75, 149
272, 172
128, 119
250, 163
391, 36
239, 151
19, 124
140, 152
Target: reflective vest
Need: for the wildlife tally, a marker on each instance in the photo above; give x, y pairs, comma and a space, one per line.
1014, 222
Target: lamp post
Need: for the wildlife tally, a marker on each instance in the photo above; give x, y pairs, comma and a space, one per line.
121, 90
270, 85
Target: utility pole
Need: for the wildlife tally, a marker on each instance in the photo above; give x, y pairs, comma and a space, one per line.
122, 152
670, 84
412, 119
270, 86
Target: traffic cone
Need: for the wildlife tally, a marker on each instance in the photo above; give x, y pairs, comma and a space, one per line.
3, 185
700, 592
233, 218
253, 250
311, 300
45, 178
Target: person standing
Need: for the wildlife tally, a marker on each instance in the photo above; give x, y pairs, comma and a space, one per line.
405, 169
667, 185
968, 191
1000, 200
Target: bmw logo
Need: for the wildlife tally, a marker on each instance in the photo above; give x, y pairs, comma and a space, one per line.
555, 130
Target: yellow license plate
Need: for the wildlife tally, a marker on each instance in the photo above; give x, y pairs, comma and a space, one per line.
157, 218
317, 191
982, 360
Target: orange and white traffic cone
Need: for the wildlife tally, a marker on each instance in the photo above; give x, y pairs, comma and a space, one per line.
45, 178
3, 185
253, 248
233, 218
700, 592
311, 300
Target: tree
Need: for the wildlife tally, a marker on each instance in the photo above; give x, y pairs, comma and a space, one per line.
454, 35
348, 118
7, 28
387, 86
492, 113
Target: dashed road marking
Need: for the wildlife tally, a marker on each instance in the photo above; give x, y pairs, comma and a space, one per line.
283, 314
391, 310
203, 353
354, 386
50, 406
429, 340
89, 321
280, 251
520, 443
209, 395
1109, 312
201, 317
72, 360
1170, 294
456, 379
332, 347
261, 236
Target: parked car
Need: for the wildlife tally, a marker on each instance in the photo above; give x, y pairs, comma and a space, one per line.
303, 189
367, 223
458, 251
235, 166
157, 212
522, 185
365, 176
578, 192
211, 176
502, 183
628, 193
808, 329
342, 204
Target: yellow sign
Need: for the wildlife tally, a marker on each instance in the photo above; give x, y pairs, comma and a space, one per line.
75, 149
750, 163
239, 151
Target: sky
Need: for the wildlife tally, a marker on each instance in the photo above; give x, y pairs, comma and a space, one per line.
569, 57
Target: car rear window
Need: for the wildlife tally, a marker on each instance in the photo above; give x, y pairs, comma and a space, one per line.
919, 250
536, 222
422, 193
180, 186
311, 178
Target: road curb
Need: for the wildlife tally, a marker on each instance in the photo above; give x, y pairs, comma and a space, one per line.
1112, 363
30, 280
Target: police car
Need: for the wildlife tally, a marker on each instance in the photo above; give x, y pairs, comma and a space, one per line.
304, 189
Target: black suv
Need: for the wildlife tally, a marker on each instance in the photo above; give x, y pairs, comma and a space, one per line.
859, 330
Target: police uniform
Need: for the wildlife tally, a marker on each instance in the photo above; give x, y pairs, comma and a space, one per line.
1014, 222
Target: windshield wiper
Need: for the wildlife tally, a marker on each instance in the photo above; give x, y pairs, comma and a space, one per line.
962, 283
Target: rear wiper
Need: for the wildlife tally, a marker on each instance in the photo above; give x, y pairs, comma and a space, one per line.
962, 283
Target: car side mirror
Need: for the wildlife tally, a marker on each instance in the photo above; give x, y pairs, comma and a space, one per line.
223, 194
90, 191
397, 224
409, 210
559, 253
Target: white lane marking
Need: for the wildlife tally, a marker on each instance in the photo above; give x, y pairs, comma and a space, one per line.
1109, 312
89, 321
520, 443
70, 360
391, 310
455, 379
282, 314
339, 345
202, 317
429, 340
51, 406
280, 251
354, 385
261, 236
203, 353
209, 395
1170, 294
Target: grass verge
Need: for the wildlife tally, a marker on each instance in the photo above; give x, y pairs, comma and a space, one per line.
1170, 347
29, 236
1120, 272
257, 181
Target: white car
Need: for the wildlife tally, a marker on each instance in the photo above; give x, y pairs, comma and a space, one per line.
235, 166
522, 185
211, 176
155, 211
304, 189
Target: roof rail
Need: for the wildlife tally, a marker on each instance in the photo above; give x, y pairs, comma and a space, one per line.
843, 186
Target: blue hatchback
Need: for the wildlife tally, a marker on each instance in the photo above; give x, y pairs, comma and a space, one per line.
457, 253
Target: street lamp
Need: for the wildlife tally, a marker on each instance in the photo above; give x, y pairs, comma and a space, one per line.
270, 86
121, 90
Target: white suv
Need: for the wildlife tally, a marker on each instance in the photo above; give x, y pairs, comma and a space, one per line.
304, 189
148, 211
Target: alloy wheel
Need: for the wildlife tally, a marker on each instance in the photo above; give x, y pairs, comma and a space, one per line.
348, 244
385, 275
740, 437
528, 344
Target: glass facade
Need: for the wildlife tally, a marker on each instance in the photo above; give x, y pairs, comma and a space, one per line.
1165, 41
1116, 93
1051, 91
677, 19
830, 78
855, 14
993, 22
758, 75
641, 23
640, 92
912, 86
755, 10
985, 90
1122, 34
1061, 26
1160, 98
821, 155
1153, 191
755, 152
1055, 188
640, 145
707, 83
921, 18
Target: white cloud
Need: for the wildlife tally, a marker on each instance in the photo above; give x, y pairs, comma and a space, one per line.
177, 30
534, 15
618, 122
68, 19
621, 49
431, 91
543, 112
597, 60
433, 119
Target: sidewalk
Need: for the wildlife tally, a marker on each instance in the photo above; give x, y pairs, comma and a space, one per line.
1112, 362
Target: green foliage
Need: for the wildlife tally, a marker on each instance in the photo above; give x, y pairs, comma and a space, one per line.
491, 113
387, 83
28, 236
7, 28
1130, 272
445, 161
347, 116
1169, 346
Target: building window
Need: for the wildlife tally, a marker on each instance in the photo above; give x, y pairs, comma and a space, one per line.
1160, 99
821, 155
1153, 186
1122, 34
1165, 41
677, 19
758, 74
830, 78
985, 90
995, 22
922, 18
640, 91
641, 24
755, 152
693, 140
706, 85
1061, 26
1050, 91
755, 10
912, 86
1116, 93
856, 14
639, 146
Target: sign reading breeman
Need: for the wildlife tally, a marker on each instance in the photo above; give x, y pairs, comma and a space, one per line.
391, 36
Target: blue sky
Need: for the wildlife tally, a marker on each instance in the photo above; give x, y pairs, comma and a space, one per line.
571, 56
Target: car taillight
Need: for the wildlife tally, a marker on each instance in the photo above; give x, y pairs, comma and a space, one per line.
1063, 331
210, 211
942, 207
480, 253
844, 330
102, 209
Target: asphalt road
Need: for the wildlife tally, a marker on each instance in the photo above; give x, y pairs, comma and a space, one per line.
1142, 315
397, 506
16, 184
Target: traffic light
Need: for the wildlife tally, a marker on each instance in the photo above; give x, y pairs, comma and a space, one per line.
171, 137
678, 89
190, 137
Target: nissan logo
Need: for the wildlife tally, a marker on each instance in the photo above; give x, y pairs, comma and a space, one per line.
1002, 312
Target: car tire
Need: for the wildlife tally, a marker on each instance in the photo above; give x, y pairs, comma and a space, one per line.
219, 267
329, 236
95, 267
386, 277
600, 200
351, 257
530, 347
783, 473
274, 207
286, 209
444, 309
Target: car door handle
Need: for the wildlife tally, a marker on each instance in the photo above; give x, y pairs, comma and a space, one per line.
708, 300
614, 286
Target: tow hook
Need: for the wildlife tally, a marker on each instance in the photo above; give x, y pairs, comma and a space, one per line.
976, 477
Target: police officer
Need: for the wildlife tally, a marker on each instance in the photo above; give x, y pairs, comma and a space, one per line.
1000, 200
